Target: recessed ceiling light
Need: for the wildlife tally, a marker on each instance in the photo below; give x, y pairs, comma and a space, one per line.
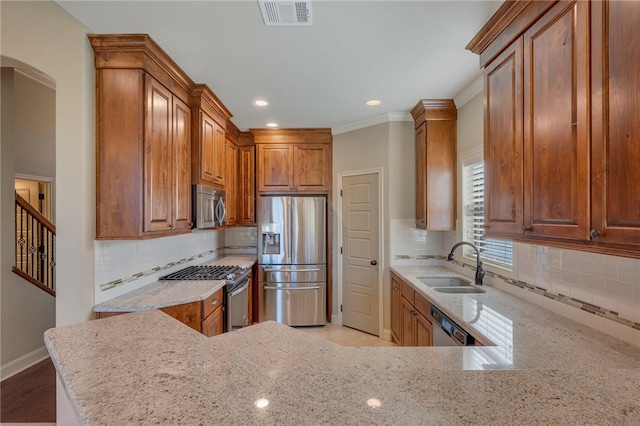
272, 124
260, 102
374, 102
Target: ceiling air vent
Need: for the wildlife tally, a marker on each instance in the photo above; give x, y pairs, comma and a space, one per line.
286, 13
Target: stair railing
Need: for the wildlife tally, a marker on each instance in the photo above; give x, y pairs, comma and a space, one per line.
35, 246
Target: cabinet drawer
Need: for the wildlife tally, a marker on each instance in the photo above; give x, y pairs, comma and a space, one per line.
211, 303
422, 305
212, 325
407, 292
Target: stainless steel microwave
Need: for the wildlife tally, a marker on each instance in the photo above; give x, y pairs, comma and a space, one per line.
209, 210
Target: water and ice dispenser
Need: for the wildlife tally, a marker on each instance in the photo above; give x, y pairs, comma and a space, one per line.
271, 233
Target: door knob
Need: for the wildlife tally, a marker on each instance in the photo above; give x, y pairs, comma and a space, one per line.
374, 262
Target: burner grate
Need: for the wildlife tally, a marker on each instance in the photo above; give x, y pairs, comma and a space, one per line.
193, 273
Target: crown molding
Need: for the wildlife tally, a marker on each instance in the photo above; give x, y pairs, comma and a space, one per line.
469, 92
372, 121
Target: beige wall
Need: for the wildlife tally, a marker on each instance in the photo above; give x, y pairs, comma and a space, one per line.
26, 311
388, 146
35, 127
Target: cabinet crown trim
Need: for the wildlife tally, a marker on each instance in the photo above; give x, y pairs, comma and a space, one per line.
133, 51
434, 109
311, 135
201, 96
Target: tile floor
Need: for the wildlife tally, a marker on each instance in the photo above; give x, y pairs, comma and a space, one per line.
345, 336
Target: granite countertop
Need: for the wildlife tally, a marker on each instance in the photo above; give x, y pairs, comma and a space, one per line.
146, 367
160, 294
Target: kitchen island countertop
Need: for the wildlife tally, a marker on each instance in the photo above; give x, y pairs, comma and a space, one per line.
145, 367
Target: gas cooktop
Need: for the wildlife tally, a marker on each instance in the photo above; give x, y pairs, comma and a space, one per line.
193, 273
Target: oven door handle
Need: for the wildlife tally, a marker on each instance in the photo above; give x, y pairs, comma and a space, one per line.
293, 270
291, 288
240, 289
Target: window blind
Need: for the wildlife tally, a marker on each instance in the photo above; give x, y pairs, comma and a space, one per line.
494, 251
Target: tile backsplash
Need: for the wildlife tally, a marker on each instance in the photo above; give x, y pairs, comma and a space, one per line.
412, 246
134, 261
241, 240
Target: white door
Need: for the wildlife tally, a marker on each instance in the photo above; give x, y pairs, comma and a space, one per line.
360, 253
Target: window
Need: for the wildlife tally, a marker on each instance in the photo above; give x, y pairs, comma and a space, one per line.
492, 251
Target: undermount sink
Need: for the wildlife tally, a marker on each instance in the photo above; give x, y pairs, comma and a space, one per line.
458, 290
444, 281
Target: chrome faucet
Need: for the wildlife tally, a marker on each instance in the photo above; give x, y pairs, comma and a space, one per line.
479, 271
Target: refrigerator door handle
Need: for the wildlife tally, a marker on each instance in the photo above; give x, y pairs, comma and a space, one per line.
292, 270
291, 288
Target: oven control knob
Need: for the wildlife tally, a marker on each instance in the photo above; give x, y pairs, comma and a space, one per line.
231, 276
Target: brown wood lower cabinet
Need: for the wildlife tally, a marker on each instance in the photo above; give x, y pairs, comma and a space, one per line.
410, 313
205, 316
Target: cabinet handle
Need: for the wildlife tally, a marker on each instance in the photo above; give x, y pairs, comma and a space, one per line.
169, 226
208, 173
526, 229
595, 233
214, 302
396, 287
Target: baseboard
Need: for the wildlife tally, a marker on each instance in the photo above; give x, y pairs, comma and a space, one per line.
386, 335
25, 361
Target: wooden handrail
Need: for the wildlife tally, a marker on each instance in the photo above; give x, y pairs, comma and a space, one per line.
35, 213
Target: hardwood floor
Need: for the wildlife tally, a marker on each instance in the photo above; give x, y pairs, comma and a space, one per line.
30, 396
345, 336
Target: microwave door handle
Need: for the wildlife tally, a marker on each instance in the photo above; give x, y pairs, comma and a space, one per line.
224, 212
220, 212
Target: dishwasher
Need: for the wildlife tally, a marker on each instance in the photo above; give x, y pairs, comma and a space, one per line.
448, 333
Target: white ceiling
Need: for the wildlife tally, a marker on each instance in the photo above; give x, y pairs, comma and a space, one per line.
315, 76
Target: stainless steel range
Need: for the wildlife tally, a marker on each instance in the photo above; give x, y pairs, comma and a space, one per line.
236, 300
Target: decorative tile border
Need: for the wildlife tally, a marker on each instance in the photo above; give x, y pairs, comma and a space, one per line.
120, 281
567, 300
419, 256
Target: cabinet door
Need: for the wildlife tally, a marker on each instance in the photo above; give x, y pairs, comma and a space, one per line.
556, 123
503, 143
219, 151
231, 182
275, 168
247, 185
213, 324
396, 310
208, 131
423, 331
421, 177
158, 164
440, 170
616, 128
182, 164
408, 337
312, 167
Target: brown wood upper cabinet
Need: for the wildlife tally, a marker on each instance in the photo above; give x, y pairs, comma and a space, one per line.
231, 182
293, 160
143, 133
209, 145
561, 134
435, 124
246, 179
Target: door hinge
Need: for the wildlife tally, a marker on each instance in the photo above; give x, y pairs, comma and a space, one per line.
340, 250
341, 192
340, 308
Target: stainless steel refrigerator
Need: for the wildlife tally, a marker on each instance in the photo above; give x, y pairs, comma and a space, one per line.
292, 253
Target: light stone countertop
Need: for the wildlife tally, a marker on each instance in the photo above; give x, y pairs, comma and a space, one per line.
160, 294
148, 368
